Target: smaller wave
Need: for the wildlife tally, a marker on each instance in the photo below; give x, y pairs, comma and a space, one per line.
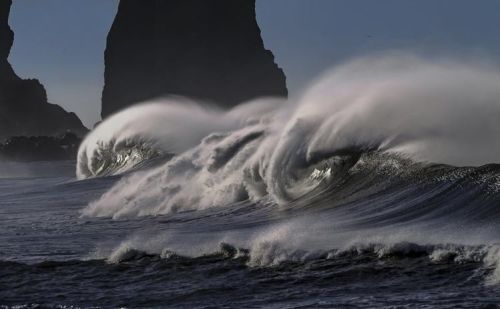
406, 268
272, 254
268, 254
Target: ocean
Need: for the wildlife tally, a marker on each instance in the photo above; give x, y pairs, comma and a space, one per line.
377, 187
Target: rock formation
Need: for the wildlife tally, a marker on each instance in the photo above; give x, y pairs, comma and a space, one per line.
210, 50
40, 148
24, 109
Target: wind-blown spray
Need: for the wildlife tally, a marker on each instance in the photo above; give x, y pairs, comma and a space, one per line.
428, 111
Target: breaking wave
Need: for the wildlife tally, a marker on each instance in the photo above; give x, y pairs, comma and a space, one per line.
390, 155
266, 254
399, 106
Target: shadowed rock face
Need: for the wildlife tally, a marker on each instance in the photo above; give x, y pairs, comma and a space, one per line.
210, 50
24, 109
6, 40
40, 148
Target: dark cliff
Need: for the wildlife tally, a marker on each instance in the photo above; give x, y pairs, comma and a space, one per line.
24, 109
210, 50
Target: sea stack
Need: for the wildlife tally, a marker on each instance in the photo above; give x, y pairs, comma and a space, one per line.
24, 110
203, 49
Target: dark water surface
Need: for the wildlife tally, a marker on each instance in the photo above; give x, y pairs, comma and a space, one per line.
372, 243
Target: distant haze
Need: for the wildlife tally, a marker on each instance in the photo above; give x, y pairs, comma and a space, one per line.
61, 42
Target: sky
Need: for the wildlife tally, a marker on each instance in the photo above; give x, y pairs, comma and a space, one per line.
62, 42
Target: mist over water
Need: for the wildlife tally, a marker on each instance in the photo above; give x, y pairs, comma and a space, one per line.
440, 111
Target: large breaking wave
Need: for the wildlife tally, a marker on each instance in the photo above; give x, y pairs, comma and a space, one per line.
378, 152
426, 111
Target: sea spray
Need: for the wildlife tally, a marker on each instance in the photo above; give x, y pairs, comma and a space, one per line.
425, 110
